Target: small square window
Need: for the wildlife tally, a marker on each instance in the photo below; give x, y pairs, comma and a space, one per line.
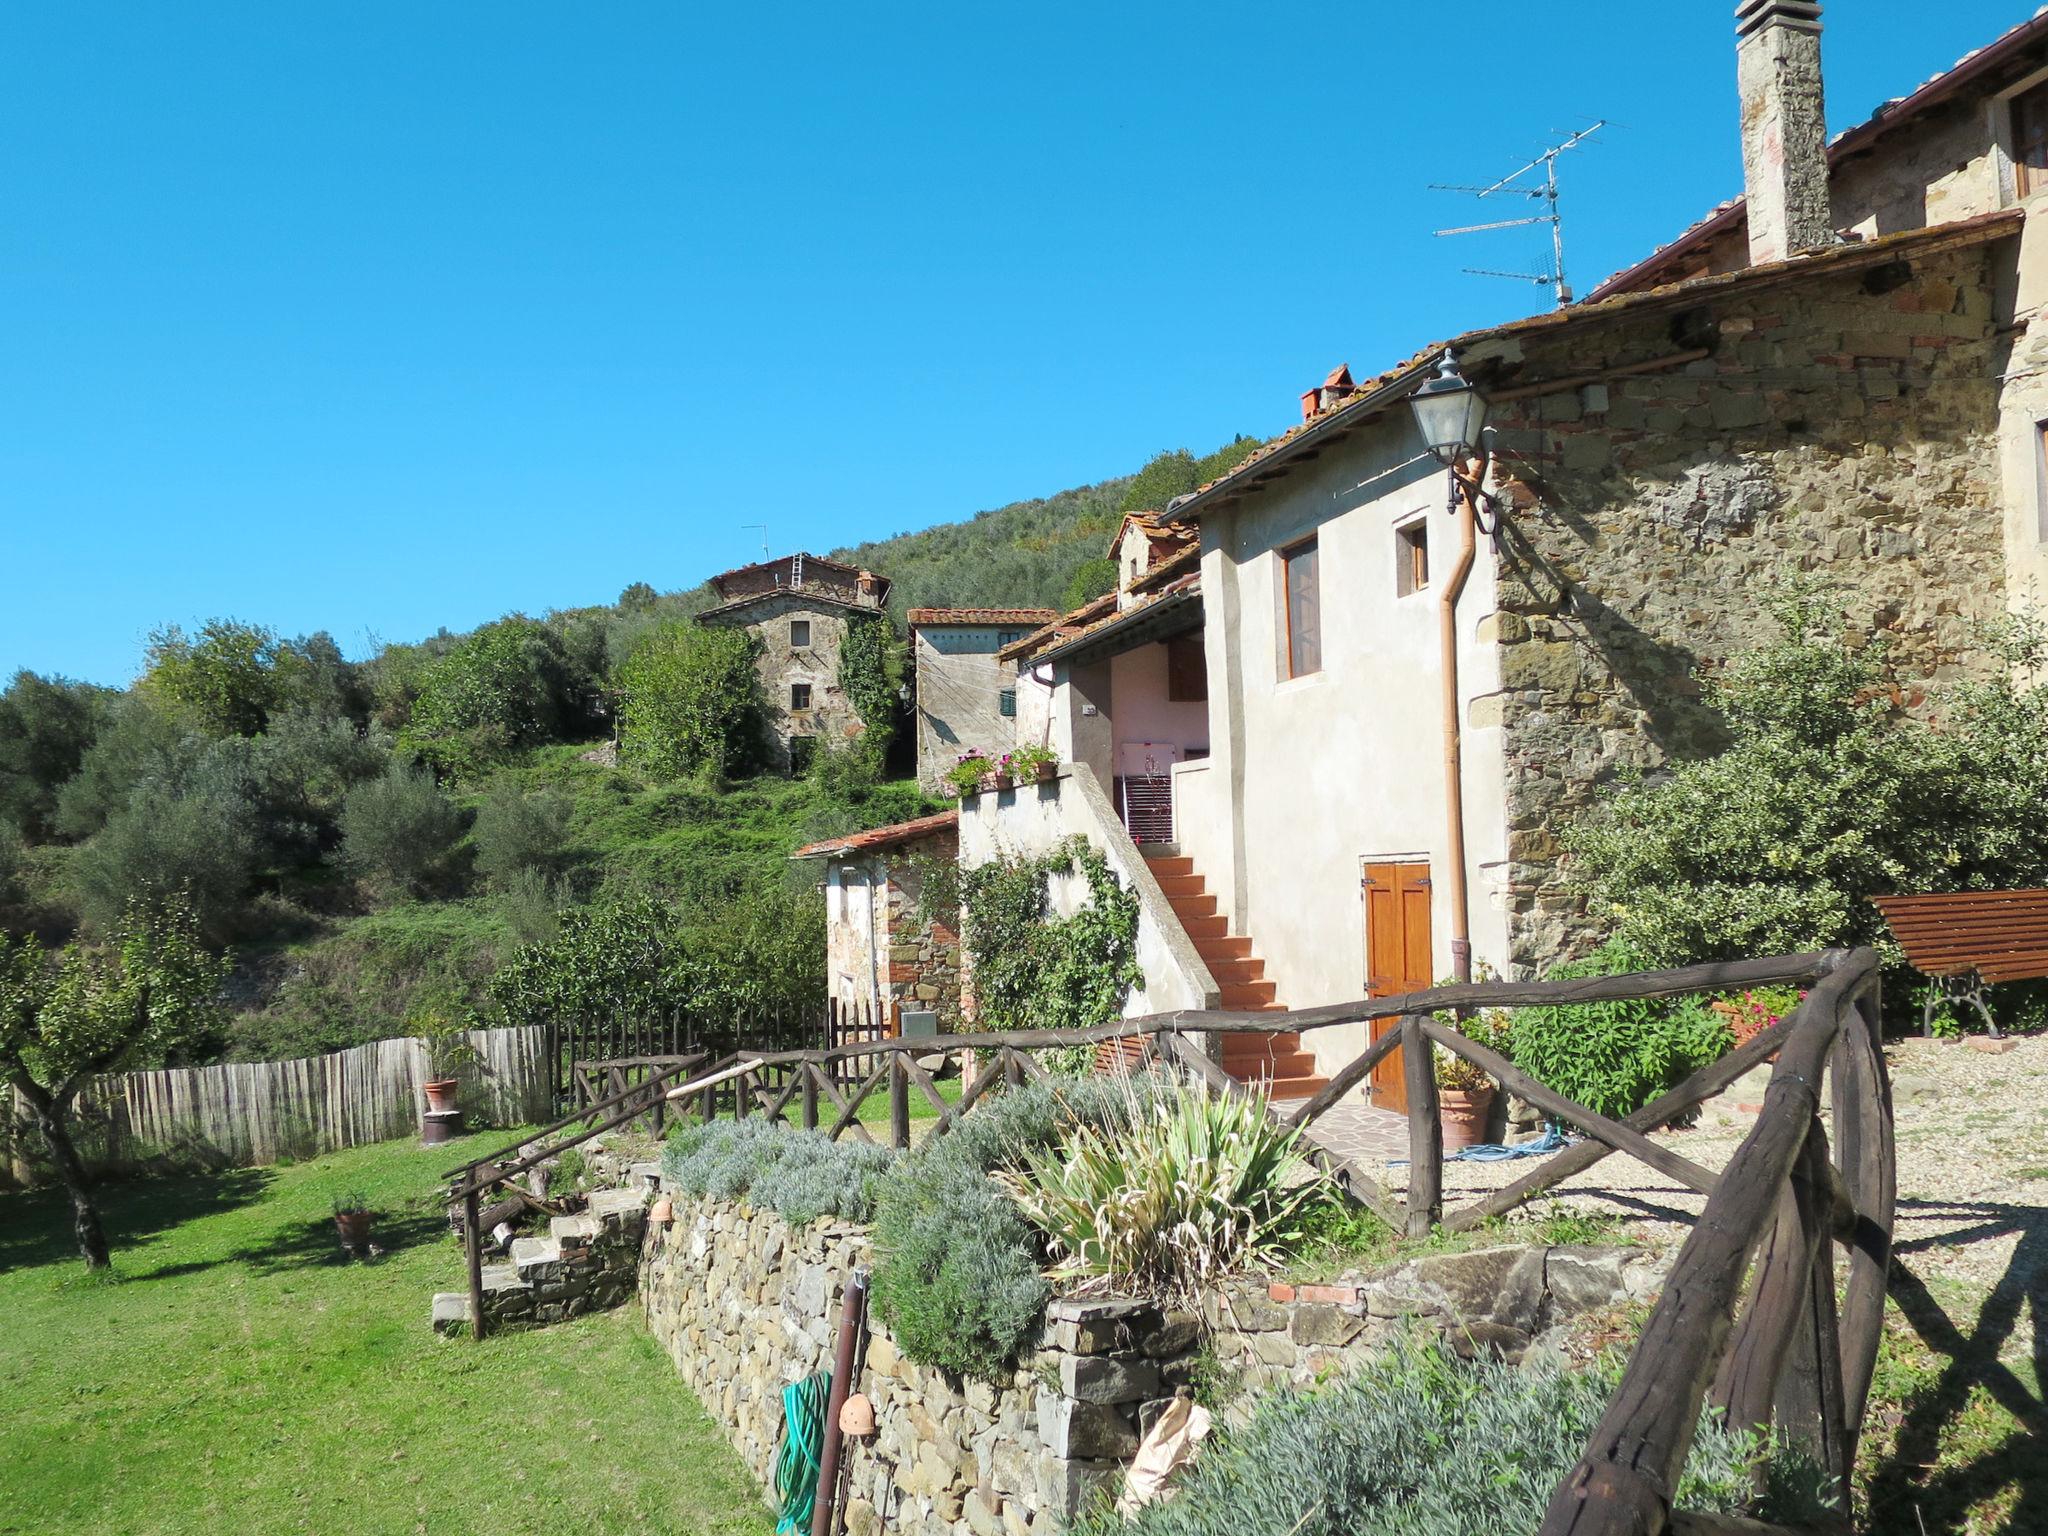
1008, 637
1006, 703
799, 634
1411, 557
799, 696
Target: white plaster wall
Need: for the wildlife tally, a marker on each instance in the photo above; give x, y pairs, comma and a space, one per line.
1034, 819
959, 702
1035, 710
1140, 710
2023, 405
1342, 767
850, 920
1201, 816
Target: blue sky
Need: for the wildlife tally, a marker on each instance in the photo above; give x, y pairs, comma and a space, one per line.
377, 318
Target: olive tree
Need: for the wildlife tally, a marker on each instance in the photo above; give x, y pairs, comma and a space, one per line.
66, 1017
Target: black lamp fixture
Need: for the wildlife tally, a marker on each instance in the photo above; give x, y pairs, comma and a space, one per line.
1450, 412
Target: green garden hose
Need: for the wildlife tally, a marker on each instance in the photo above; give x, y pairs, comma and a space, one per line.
796, 1460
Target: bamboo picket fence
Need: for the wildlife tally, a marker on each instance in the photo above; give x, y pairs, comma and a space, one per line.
247, 1114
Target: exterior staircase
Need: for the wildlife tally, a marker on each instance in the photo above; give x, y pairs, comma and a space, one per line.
1277, 1058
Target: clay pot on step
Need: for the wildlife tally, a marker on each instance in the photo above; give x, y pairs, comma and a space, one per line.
1463, 1113
440, 1095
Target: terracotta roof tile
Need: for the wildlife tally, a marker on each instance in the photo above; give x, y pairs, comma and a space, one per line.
880, 837
1065, 624
919, 617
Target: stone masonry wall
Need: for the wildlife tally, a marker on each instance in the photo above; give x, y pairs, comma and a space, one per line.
924, 958
744, 1304
1843, 427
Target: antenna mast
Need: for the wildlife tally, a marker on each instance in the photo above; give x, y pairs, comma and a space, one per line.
750, 527
1545, 192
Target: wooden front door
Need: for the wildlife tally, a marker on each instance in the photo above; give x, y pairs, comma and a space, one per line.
1397, 957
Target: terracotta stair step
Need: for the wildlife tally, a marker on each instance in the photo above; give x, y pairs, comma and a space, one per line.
1269, 1061
1164, 864
1191, 909
1205, 930
1223, 948
1183, 885
1233, 973
1247, 994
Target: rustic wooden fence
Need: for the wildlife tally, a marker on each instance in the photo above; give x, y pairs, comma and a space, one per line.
1763, 1249
246, 1114
714, 1032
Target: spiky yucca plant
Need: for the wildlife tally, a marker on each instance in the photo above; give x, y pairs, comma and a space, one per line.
1190, 1189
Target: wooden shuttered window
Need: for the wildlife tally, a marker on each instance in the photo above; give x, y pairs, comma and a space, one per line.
1304, 609
1187, 670
2030, 140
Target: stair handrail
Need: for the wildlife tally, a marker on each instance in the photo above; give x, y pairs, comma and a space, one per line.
628, 1104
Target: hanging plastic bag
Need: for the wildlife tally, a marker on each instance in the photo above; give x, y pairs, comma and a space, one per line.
1169, 1447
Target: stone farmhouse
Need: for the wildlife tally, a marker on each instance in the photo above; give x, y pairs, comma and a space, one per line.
965, 699
1839, 374
800, 608
881, 959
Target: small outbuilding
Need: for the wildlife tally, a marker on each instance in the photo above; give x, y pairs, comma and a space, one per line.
884, 957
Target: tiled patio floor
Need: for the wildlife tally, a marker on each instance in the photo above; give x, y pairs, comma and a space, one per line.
1360, 1134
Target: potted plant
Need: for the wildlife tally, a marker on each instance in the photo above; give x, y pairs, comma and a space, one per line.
968, 775
352, 1220
1005, 772
1034, 763
448, 1051
1465, 1092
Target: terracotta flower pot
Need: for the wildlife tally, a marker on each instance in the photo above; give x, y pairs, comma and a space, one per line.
1463, 1113
989, 782
1045, 771
1006, 780
354, 1227
440, 1095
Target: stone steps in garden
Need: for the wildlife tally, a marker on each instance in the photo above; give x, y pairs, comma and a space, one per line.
585, 1262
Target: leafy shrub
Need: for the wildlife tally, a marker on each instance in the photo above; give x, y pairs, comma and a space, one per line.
223, 681
800, 1175
199, 838
1186, 1189
692, 701
46, 727
725, 962
399, 831
1033, 970
1616, 1057
507, 685
957, 1273
517, 833
957, 1269
1826, 797
131, 738
1415, 1443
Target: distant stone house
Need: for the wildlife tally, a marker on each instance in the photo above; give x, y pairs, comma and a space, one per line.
1412, 692
881, 958
965, 699
801, 609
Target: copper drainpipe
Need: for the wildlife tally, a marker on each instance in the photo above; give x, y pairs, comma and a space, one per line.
1464, 492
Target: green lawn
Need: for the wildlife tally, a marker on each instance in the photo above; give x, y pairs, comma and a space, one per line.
239, 1376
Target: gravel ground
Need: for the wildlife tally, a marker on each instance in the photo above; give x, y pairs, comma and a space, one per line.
1973, 1178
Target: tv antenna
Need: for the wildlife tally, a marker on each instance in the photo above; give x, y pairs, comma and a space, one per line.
750, 527
1545, 191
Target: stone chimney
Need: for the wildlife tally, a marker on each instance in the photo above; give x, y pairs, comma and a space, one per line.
1784, 129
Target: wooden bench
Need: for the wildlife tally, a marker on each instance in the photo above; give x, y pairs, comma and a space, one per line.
1968, 940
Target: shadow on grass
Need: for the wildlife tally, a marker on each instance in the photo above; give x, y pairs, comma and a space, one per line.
1911, 1492
35, 1227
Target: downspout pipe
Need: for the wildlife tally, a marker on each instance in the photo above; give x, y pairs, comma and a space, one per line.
1464, 500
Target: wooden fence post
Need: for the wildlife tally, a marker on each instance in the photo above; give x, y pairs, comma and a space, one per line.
1425, 1129
810, 1093
899, 1102
473, 1252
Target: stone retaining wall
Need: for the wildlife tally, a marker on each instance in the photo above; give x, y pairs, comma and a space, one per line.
745, 1304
